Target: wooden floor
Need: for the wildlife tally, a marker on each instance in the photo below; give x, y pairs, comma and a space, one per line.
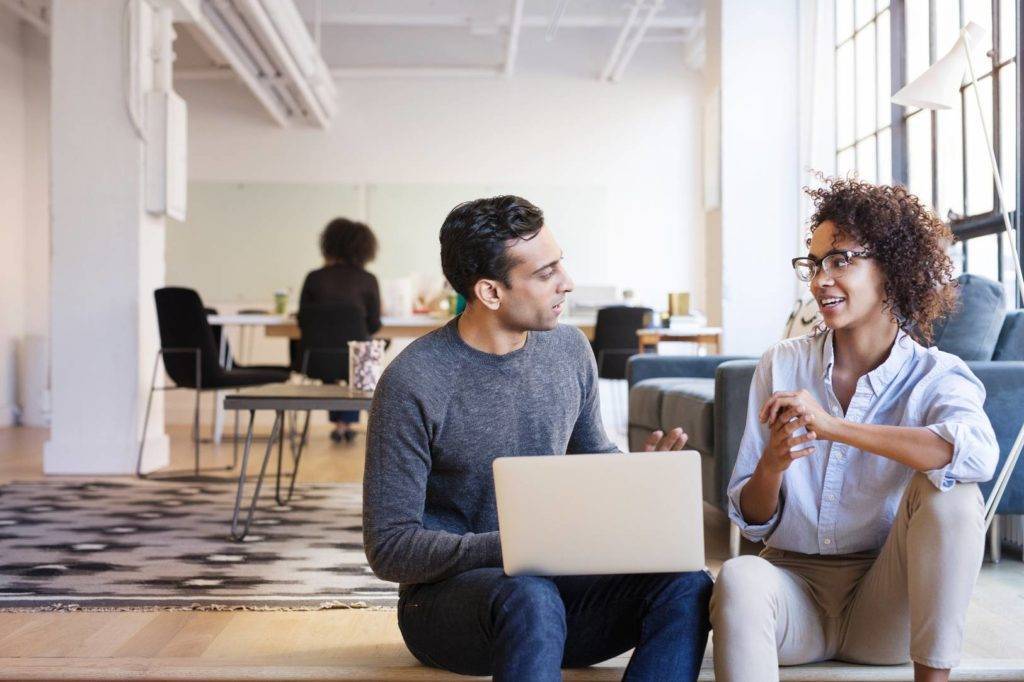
363, 644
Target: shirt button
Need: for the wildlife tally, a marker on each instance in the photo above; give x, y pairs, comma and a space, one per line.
831, 498
828, 541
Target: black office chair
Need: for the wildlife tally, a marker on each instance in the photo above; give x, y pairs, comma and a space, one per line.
615, 339
190, 356
326, 330
321, 354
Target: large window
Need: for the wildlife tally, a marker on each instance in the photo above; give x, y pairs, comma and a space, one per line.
940, 155
863, 121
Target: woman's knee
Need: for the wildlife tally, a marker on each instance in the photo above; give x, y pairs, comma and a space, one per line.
959, 508
744, 583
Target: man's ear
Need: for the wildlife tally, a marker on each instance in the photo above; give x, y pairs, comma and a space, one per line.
488, 292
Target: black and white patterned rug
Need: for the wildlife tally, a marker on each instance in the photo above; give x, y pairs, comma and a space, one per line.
147, 544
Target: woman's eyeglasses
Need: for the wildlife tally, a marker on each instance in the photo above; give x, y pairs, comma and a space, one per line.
834, 263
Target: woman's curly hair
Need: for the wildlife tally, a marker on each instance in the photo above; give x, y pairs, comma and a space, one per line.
348, 241
904, 237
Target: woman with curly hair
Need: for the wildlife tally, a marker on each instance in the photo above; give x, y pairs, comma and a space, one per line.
347, 246
860, 460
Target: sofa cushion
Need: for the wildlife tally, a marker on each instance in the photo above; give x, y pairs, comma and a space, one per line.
972, 330
1011, 339
645, 402
691, 405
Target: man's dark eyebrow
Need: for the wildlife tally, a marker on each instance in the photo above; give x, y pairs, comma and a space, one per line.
548, 265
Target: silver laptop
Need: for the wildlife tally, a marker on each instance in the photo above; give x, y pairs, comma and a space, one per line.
600, 514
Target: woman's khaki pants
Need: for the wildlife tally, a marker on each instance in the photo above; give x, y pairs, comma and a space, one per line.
908, 601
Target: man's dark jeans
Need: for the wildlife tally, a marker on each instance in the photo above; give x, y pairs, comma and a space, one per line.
483, 622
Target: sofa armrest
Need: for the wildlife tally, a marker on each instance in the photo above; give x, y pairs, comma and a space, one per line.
1004, 398
642, 367
732, 392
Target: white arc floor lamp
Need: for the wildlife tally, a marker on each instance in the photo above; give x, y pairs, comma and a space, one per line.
939, 88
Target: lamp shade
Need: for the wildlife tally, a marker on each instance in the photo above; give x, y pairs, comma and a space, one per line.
939, 86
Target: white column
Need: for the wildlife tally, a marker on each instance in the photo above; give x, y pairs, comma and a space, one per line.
107, 252
760, 114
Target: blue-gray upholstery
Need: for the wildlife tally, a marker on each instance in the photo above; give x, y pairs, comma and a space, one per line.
972, 331
689, 391
1011, 338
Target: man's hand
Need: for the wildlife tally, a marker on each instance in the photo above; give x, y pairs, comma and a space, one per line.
661, 442
786, 406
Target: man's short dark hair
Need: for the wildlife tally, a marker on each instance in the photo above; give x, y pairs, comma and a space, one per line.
348, 241
476, 236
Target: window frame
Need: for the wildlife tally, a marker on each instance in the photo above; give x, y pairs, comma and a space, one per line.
967, 227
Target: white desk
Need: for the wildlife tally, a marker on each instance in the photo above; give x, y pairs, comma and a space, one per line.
286, 326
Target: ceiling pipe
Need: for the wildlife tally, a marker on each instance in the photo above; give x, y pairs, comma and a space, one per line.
513, 36
418, 72
268, 35
556, 19
620, 42
266, 70
638, 37
215, 30
530, 21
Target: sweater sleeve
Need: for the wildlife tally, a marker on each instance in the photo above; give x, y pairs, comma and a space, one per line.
398, 460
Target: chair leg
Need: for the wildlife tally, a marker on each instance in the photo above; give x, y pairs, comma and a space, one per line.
995, 541
195, 430
145, 421
734, 540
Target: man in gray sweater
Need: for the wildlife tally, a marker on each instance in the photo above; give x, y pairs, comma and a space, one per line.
504, 379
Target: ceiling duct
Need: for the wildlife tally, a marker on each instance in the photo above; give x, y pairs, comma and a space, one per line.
272, 51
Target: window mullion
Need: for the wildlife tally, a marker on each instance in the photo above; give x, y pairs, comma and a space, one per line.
898, 59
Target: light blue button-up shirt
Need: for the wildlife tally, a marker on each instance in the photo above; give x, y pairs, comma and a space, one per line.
841, 500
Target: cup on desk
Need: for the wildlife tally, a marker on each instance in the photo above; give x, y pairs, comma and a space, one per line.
280, 302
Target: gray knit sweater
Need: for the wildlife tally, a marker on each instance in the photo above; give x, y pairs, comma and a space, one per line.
441, 413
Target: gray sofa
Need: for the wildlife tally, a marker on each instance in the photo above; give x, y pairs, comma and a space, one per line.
707, 395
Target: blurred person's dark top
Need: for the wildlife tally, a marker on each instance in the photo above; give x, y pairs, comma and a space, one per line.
344, 283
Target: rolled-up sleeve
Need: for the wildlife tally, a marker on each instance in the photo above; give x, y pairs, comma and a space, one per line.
954, 411
755, 436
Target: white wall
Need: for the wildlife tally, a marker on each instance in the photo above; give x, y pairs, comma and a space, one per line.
24, 196
12, 208
640, 139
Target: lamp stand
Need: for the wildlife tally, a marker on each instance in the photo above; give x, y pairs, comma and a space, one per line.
1009, 234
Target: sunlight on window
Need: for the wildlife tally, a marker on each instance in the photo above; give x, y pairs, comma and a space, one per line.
919, 145
866, 160
1007, 29
864, 48
983, 256
950, 158
844, 95
883, 70
979, 169
885, 157
1008, 133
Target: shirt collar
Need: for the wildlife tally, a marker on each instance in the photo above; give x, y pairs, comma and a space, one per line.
880, 377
